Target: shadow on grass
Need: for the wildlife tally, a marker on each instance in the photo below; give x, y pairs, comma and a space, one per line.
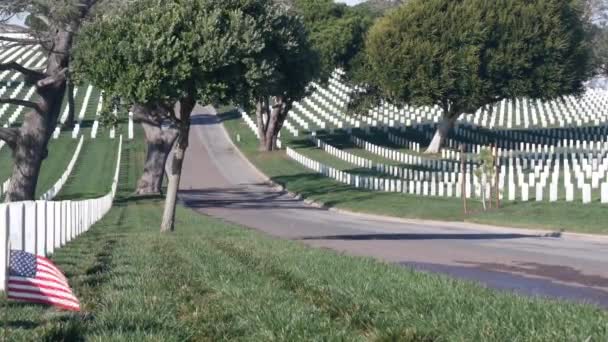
314, 185
127, 199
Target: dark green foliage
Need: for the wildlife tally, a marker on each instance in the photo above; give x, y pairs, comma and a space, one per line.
465, 54
286, 64
600, 50
158, 51
337, 31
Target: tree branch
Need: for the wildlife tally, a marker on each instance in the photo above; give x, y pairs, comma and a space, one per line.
45, 82
9, 135
31, 76
23, 103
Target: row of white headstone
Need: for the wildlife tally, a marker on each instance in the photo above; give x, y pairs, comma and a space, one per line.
519, 180
41, 227
299, 108
414, 187
429, 182
449, 186
343, 155
590, 109
33, 57
20, 91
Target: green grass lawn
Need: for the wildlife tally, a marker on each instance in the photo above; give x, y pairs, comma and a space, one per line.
560, 215
6, 163
61, 151
92, 175
213, 281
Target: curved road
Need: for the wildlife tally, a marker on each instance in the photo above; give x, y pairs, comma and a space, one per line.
217, 181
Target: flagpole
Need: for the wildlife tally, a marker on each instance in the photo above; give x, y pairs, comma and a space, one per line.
5, 293
5, 317
5, 242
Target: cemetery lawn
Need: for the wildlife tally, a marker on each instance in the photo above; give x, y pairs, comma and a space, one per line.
213, 281
61, 151
571, 217
91, 182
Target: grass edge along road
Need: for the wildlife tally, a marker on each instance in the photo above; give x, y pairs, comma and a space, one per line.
213, 281
573, 217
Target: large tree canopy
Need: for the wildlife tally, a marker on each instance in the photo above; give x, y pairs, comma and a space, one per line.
159, 53
463, 55
337, 31
600, 50
280, 74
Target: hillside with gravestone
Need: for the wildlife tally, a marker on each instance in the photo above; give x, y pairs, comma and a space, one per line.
546, 151
203, 170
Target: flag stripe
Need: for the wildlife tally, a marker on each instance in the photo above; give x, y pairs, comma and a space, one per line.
50, 270
51, 277
37, 295
46, 263
40, 283
45, 300
47, 293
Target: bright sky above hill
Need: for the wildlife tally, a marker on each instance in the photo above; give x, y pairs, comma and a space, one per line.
350, 2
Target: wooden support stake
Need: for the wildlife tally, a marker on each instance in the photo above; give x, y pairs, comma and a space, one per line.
497, 162
464, 178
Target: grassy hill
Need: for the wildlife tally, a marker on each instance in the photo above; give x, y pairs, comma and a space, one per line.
214, 281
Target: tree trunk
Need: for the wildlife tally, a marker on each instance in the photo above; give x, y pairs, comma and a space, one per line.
275, 118
69, 122
186, 106
31, 139
262, 118
159, 140
442, 132
28, 153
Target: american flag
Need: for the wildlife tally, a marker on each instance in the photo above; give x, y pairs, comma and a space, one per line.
36, 279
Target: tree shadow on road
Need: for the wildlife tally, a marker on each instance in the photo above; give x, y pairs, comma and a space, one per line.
423, 236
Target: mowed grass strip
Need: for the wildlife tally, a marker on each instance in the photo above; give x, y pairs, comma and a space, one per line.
61, 151
92, 174
213, 281
560, 215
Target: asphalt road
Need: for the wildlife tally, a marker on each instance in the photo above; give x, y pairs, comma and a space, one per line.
219, 182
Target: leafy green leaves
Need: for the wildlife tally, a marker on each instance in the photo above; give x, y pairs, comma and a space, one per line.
160, 51
336, 31
465, 54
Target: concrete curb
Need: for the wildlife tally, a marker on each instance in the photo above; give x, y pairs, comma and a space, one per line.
419, 222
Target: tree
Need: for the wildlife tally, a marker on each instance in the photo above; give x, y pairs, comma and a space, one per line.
378, 8
280, 74
54, 23
463, 55
164, 56
336, 31
596, 14
600, 50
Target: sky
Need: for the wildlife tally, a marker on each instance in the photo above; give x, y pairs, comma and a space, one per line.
350, 2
